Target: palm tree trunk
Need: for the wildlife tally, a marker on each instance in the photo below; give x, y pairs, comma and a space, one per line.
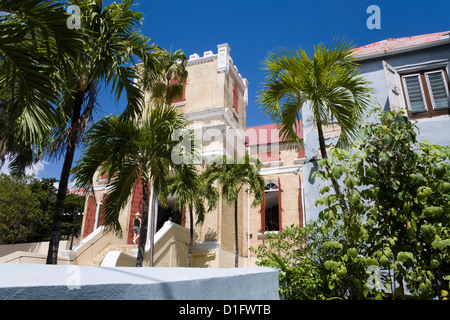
53, 247
152, 217
191, 236
52, 255
236, 238
323, 152
143, 232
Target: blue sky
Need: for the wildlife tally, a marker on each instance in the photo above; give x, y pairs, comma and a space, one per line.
254, 27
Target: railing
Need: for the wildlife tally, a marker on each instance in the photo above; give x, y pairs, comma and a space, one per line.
86, 250
170, 249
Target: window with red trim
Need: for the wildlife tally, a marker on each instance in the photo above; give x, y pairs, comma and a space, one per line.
183, 96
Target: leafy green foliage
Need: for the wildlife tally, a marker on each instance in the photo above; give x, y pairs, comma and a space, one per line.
297, 252
35, 46
26, 209
397, 191
328, 82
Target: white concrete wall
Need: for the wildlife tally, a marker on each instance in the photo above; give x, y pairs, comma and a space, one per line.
59, 282
32, 247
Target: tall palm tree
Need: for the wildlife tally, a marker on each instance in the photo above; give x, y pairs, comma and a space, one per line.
35, 47
328, 83
163, 88
111, 44
191, 191
231, 176
130, 153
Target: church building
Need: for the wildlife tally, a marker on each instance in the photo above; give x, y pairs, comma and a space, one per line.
215, 102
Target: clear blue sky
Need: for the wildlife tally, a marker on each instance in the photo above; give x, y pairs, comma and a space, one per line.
253, 27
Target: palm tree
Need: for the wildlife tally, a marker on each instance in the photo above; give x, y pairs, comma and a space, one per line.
111, 44
231, 176
35, 48
328, 83
130, 153
190, 191
164, 87
170, 83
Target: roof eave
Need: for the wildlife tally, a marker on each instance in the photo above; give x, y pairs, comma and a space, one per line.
386, 53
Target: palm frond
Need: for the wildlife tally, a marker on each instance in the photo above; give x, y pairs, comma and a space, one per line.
327, 82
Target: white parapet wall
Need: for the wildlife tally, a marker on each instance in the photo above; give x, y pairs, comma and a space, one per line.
62, 282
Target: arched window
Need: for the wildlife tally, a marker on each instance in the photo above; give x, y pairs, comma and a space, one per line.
271, 207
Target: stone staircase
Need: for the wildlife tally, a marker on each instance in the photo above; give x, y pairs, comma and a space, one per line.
127, 249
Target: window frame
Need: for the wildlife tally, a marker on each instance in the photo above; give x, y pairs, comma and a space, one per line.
446, 85
427, 94
278, 190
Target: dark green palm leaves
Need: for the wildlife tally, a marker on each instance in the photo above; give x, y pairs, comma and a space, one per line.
328, 82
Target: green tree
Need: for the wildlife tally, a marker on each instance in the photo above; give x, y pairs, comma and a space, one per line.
19, 208
35, 48
231, 176
398, 193
27, 205
328, 83
297, 252
111, 44
72, 218
170, 83
26, 208
130, 153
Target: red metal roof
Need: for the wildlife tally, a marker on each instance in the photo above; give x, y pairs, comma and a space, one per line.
267, 133
393, 43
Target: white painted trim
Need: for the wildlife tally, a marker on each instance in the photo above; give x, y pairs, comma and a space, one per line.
280, 170
196, 59
179, 104
273, 163
299, 160
429, 65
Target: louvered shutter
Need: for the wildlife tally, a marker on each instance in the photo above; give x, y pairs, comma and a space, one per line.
438, 90
414, 93
394, 86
